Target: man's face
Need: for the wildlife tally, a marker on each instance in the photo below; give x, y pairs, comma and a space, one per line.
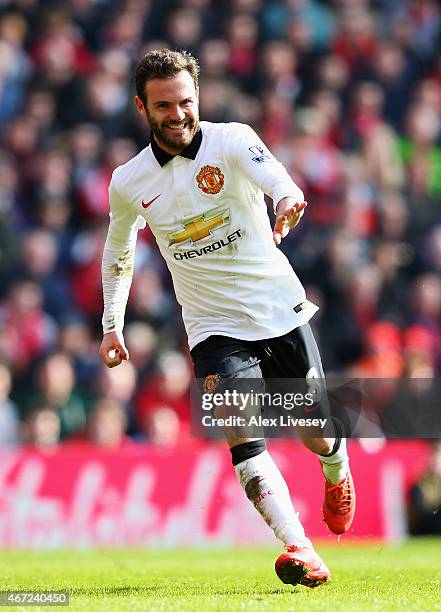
172, 111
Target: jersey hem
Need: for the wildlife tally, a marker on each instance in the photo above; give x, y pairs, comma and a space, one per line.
252, 337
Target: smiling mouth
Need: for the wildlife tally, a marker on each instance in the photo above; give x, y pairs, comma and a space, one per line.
178, 126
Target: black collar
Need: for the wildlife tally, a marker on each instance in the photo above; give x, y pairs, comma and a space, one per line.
190, 152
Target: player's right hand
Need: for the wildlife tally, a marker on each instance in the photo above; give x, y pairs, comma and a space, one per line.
113, 350
288, 216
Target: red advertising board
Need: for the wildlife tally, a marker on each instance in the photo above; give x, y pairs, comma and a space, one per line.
81, 496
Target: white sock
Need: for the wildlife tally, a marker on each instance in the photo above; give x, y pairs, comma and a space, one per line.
266, 488
336, 466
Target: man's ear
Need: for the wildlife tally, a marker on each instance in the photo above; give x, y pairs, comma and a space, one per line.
140, 106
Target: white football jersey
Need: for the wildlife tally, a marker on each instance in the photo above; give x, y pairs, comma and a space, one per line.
207, 212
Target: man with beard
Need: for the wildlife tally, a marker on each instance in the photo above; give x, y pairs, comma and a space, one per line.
200, 186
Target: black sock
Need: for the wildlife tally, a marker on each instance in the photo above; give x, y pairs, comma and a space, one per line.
245, 451
338, 436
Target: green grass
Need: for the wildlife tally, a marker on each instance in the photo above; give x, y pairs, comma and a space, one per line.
365, 577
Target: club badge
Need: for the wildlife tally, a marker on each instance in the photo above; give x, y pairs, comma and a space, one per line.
211, 383
210, 179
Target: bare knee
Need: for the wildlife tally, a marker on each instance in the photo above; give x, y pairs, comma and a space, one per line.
322, 446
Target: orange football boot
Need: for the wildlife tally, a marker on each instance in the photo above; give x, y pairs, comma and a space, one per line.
302, 565
339, 504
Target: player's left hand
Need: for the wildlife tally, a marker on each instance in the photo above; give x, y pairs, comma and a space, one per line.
286, 220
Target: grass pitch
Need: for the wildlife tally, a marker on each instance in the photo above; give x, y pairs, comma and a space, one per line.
365, 577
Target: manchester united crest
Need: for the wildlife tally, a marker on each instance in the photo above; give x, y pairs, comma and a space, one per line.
211, 383
210, 179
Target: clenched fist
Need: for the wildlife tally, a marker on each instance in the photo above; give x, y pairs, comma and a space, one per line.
113, 350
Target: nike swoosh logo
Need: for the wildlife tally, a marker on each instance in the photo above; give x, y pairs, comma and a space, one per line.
147, 204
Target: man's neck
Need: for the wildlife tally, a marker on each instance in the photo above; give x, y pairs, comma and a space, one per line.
169, 150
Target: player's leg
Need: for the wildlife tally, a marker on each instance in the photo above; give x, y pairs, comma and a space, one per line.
296, 355
229, 359
267, 490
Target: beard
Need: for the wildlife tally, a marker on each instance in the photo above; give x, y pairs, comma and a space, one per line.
165, 136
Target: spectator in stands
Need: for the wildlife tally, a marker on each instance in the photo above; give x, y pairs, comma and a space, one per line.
120, 386
424, 509
55, 387
9, 417
169, 386
162, 428
42, 427
39, 258
107, 424
75, 339
28, 330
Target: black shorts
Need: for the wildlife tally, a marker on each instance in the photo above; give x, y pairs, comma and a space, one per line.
293, 355
285, 364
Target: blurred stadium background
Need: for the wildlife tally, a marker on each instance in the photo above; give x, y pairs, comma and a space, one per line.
348, 95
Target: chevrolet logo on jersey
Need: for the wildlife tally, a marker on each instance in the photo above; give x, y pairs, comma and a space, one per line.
199, 227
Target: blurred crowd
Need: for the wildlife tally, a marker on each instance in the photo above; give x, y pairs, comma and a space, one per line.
346, 93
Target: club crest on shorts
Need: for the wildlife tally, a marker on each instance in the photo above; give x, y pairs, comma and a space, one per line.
210, 179
211, 383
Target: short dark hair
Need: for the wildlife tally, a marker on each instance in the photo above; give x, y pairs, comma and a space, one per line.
164, 64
